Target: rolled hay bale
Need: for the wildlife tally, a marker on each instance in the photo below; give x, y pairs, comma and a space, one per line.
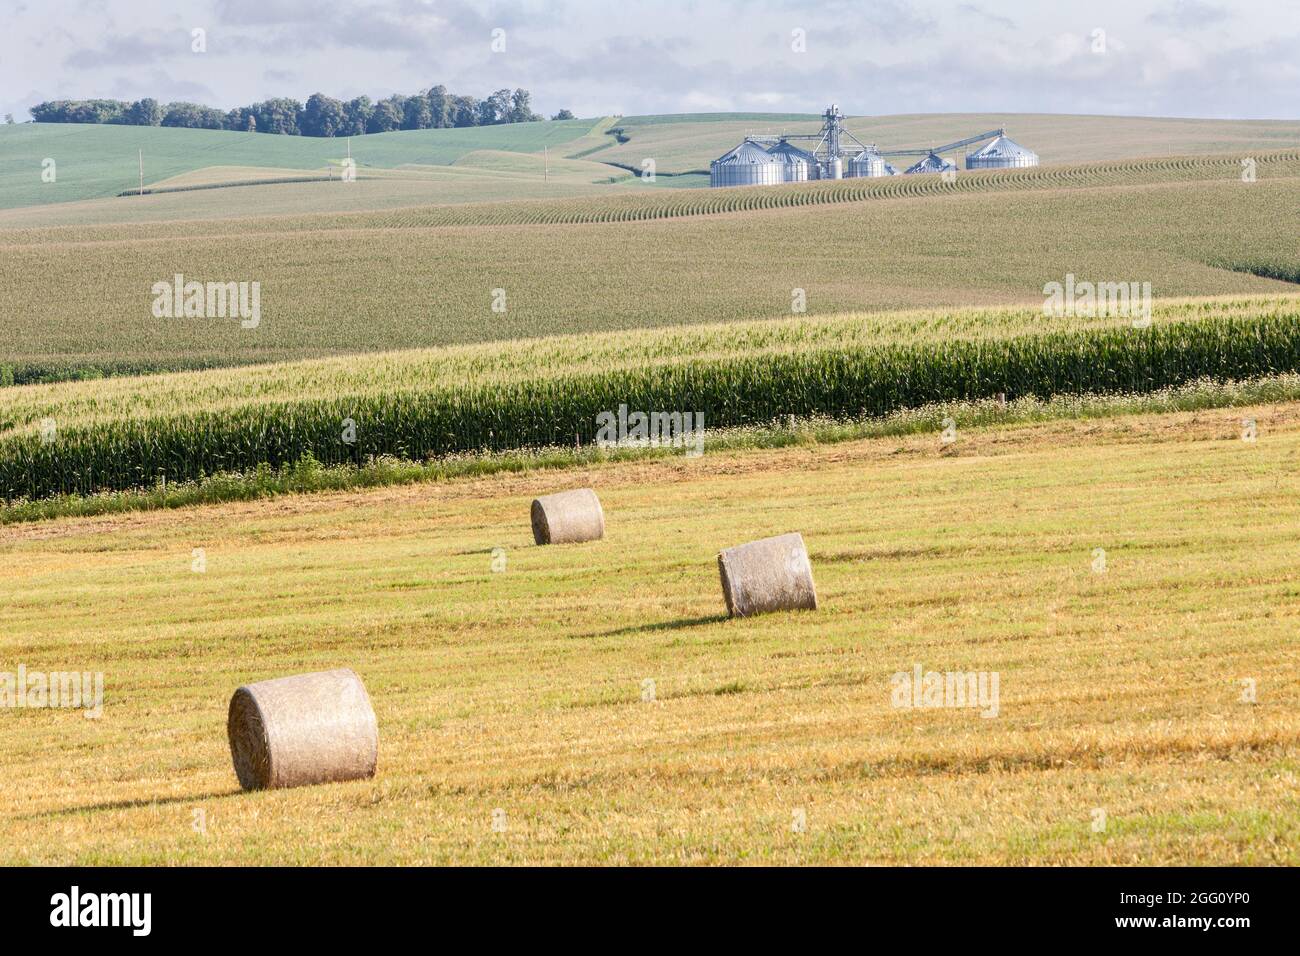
305, 729
773, 574
568, 517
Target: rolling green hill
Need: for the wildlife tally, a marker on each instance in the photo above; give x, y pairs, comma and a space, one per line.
97, 163
101, 161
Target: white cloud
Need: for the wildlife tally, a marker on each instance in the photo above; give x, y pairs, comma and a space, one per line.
1167, 57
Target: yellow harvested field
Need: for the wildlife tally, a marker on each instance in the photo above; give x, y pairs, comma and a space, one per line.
527, 690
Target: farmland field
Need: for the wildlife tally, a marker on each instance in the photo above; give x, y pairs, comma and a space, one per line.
429, 274
523, 690
127, 433
875, 369
689, 142
101, 161
224, 192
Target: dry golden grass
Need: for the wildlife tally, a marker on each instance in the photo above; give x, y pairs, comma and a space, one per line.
521, 690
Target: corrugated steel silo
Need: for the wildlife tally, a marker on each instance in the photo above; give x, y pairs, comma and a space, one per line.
747, 165
867, 163
1001, 153
835, 168
799, 164
931, 164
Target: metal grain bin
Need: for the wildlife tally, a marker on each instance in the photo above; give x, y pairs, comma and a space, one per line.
867, 163
747, 165
1001, 153
931, 164
799, 164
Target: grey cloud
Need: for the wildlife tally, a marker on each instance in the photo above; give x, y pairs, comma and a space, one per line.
972, 10
127, 51
161, 86
1189, 14
847, 20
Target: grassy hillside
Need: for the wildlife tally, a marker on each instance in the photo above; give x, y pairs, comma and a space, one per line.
690, 142
102, 161
523, 690
380, 281
478, 177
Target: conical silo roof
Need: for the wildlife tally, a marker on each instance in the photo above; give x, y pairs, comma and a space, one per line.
1003, 148
931, 164
787, 152
746, 152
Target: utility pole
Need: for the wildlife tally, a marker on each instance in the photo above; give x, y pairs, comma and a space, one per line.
141, 172
546, 163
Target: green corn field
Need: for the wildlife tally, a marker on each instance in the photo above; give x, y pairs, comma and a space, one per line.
551, 395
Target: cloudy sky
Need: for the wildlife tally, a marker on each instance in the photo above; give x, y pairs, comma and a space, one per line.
1213, 58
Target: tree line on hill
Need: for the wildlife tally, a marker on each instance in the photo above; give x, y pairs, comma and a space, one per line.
322, 115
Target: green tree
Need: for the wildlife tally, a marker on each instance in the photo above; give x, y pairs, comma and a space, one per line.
145, 112
193, 116
278, 115
384, 117
322, 116
358, 116
496, 108
440, 107
521, 110
416, 113
465, 110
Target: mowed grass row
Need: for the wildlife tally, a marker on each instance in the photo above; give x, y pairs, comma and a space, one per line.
558, 407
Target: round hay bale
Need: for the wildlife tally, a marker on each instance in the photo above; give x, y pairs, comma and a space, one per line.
568, 517
305, 729
773, 574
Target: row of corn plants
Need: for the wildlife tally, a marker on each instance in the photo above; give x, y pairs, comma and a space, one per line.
561, 409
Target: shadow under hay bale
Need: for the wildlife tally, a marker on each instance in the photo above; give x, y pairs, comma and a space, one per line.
568, 517
773, 574
300, 730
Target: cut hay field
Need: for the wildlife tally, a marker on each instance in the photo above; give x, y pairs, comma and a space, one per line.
522, 691
389, 280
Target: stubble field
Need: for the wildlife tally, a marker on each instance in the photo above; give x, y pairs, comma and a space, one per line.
522, 690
